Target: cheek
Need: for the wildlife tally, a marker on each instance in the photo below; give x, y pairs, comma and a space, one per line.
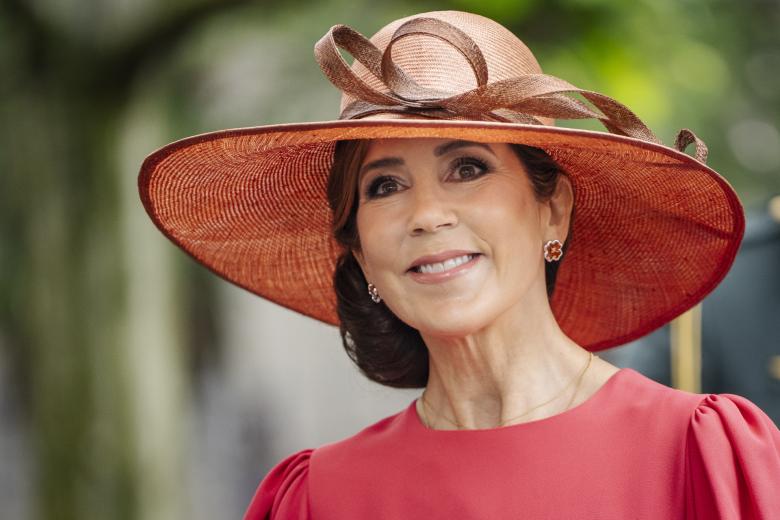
375, 240
508, 214
380, 244
511, 225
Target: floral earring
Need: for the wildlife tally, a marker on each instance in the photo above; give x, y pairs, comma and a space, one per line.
374, 293
552, 250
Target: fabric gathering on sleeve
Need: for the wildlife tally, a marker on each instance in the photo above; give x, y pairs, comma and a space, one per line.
283, 493
732, 461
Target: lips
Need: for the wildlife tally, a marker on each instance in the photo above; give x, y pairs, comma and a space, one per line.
439, 258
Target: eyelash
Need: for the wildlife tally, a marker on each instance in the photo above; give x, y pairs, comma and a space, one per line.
471, 161
373, 187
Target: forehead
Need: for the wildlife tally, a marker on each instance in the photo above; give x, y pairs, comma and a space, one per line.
404, 144
428, 146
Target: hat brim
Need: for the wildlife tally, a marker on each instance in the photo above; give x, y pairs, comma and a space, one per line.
655, 230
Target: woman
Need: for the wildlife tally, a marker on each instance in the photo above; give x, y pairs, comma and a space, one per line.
469, 247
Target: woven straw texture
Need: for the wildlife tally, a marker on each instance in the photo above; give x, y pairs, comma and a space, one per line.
655, 230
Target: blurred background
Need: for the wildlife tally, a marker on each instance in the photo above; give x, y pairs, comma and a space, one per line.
136, 385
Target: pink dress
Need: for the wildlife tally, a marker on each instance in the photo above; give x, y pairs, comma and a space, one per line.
635, 449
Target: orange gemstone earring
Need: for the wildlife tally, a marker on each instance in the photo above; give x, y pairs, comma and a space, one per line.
552, 250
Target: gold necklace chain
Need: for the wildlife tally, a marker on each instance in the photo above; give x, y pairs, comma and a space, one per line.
578, 379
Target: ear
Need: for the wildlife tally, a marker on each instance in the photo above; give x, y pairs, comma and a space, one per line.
560, 205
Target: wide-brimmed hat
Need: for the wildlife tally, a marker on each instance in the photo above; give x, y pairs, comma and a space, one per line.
655, 229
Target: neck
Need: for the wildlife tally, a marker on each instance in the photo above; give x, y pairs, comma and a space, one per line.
490, 378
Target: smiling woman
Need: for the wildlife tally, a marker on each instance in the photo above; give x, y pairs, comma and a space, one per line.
434, 224
386, 348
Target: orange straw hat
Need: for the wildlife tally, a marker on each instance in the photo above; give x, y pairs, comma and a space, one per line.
656, 230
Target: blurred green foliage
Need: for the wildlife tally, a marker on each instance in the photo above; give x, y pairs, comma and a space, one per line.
73, 74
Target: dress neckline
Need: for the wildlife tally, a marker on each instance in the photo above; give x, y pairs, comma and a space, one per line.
416, 421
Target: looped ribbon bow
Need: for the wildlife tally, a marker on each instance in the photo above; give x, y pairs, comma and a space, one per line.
522, 99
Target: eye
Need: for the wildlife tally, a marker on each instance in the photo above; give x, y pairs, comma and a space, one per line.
382, 186
468, 168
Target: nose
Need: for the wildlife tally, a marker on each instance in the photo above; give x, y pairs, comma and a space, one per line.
431, 210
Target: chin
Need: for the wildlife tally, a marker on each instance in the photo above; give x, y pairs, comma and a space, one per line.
450, 324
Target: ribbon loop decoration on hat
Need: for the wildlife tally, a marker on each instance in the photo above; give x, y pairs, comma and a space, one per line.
686, 137
403, 86
522, 99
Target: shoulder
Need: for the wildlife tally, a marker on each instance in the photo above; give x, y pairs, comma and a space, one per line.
724, 423
285, 491
668, 418
732, 460
642, 395
728, 448
701, 414
366, 445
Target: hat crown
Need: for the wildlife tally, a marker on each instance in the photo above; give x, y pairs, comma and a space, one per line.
455, 65
436, 64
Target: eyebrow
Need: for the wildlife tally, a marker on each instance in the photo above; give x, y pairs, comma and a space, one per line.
380, 163
438, 152
454, 145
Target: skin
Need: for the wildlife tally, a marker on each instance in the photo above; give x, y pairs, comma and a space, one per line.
494, 345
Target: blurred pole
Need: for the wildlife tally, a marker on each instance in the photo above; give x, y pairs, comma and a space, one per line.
773, 207
686, 350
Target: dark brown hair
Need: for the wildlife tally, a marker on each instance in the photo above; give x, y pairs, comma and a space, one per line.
386, 349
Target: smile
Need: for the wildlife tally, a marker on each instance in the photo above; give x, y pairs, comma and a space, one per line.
438, 272
440, 267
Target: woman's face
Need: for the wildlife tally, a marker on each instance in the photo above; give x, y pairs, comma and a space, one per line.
470, 209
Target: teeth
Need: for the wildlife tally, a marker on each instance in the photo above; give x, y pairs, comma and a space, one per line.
444, 266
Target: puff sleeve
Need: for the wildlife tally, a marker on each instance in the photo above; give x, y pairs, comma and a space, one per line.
732, 461
283, 493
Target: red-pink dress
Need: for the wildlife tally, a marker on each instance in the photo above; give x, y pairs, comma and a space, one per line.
635, 449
